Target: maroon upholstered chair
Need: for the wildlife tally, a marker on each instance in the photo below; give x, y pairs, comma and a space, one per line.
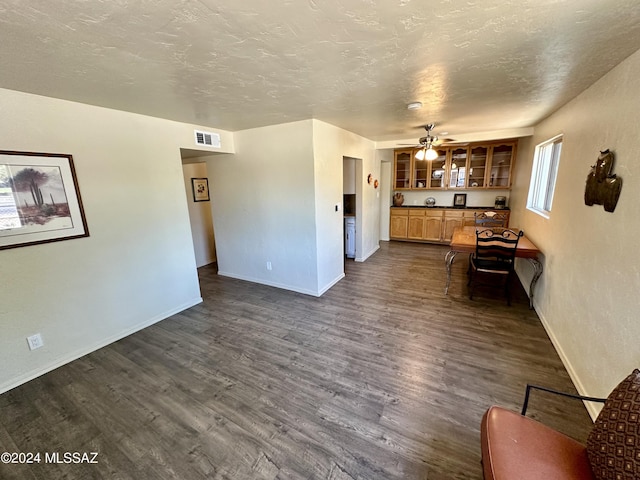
517, 447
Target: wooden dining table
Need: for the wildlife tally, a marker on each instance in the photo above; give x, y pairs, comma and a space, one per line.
464, 241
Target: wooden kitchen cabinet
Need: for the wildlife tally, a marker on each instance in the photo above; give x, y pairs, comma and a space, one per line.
399, 223
410, 173
478, 163
420, 173
481, 165
501, 162
403, 163
422, 224
437, 170
416, 224
452, 220
457, 167
433, 225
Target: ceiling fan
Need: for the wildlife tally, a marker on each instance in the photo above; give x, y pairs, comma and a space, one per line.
427, 143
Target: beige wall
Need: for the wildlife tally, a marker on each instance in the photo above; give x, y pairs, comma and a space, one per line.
588, 295
136, 268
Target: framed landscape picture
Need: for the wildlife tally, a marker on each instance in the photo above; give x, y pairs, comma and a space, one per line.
200, 189
39, 199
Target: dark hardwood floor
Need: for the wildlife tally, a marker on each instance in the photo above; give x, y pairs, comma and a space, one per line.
383, 377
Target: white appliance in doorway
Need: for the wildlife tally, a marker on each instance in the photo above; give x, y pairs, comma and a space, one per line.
350, 237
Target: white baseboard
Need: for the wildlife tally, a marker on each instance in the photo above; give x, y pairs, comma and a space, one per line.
283, 286
367, 255
591, 407
262, 281
92, 348
331, 284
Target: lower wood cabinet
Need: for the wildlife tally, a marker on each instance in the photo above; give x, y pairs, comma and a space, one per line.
452, 220
434, 225
399, 223
415, 231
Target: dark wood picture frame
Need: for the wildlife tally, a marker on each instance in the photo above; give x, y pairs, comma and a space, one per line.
39, 199
200, 187
460, 200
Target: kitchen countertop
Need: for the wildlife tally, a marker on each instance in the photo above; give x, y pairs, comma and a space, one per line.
468, 207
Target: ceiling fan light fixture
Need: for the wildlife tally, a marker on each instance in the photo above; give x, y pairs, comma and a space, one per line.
431, 154
414, 106
421, 154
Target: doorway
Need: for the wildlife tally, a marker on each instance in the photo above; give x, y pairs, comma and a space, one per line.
352, 206
194, 171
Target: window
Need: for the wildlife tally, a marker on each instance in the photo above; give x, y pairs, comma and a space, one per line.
543, 176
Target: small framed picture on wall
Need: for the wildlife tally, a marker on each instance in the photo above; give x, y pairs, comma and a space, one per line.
200, 189
460, 200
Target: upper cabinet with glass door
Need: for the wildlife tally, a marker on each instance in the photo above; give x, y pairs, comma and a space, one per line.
437, 170
458, 167
402, 169
420, 173
502, 156
478, 166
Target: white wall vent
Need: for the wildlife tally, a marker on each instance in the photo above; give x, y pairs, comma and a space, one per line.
208, 139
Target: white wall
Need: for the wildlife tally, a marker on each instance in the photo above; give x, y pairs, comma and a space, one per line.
274, 201
136, 268
263, 204
587, 297
330, 144
200, 216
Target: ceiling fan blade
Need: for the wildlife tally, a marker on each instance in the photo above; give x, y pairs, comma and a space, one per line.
450, 141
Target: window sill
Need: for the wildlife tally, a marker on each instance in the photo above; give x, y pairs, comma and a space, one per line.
542, 213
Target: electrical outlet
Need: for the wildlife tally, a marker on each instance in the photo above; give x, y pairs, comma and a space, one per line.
268, 265
35, 341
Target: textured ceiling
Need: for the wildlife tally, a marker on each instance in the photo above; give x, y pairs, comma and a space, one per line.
476, 66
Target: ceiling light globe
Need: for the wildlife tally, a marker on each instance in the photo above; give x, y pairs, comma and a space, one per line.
420, 154
431, 154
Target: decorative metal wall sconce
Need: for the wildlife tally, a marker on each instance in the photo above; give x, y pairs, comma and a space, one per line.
603, 187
